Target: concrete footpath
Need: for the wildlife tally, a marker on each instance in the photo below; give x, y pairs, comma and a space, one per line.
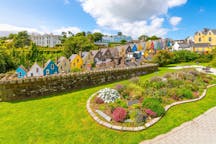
201, 130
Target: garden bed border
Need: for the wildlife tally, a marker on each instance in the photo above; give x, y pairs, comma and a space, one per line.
147, 125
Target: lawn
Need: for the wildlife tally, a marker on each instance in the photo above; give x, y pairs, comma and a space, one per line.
64, 119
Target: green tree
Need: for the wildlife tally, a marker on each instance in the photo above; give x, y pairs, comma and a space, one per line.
97, 36
77, 43
22, 39
123, 41
143, 37
34, 52
163, 57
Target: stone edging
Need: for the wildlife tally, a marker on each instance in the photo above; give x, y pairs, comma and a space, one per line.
149, 124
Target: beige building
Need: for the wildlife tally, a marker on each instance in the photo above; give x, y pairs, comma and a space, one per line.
63, 65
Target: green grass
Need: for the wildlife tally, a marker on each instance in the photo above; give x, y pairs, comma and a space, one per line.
64, 119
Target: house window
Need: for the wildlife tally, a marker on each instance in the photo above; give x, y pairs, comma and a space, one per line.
65, 64
32, 75
52, 66
74, 64
209, 33
77, 60
47, 72
200, 39
37, 70
20, 74
210, 39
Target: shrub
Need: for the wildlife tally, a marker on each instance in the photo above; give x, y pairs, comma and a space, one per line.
133, 90
119, 114
98, 100
156, 79
186, 93
155, 105
137, 116
150, 113
108, 95
122, 103
119, 87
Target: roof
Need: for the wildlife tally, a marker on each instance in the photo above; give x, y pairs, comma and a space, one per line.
94, 52
22, 67
104, 50
61, 59
84, 54
206, 30
201, 45
72, 57
34, 65
47, 63
184, 45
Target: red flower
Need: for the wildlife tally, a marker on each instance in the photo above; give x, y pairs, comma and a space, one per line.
119, 114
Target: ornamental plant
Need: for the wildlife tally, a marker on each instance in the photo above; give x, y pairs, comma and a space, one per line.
108, 95
119, 114
150, 113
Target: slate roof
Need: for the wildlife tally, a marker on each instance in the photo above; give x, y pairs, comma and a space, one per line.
201, 45
205, 31
184, 45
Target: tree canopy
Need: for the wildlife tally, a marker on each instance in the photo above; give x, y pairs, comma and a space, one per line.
22, 39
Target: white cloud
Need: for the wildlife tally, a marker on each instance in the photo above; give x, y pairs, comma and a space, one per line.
12, 28
5, 29
174, 21
132, 17
74, 30
174, 3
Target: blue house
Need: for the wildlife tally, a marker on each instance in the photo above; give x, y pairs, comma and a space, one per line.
21, 72
134, 48
50, 68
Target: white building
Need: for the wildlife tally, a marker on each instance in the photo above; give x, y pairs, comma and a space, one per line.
49, 40
35, 71
182, 46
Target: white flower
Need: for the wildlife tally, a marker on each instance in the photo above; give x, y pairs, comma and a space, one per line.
108, 95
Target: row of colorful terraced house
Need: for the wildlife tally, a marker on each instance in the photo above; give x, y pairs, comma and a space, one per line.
120, 56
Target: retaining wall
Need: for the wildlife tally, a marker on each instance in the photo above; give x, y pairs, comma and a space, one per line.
41, 86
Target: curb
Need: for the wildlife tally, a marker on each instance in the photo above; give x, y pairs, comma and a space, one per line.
147, 125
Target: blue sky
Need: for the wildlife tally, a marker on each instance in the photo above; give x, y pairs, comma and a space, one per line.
109, 16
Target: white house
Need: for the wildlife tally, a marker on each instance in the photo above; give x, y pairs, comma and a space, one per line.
182, 46
49, 40
35, 71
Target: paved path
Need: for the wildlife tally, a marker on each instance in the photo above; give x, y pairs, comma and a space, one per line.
201, 130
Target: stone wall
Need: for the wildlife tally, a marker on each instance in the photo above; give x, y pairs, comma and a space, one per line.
41, 86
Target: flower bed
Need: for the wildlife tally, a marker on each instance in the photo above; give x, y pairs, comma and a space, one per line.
139, 102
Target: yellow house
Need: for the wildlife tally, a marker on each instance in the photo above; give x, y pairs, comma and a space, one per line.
76, 62
205, 40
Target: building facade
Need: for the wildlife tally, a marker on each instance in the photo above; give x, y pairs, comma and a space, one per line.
47, 40
205, 41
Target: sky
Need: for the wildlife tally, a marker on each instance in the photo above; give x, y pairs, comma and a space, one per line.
176, 19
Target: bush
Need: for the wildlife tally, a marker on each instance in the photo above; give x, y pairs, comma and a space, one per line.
119, 87
155, 105
186, 93
137, 116
134, 91
163, 57
122, 103
119, 114
98, 100
150, 113
108, 95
